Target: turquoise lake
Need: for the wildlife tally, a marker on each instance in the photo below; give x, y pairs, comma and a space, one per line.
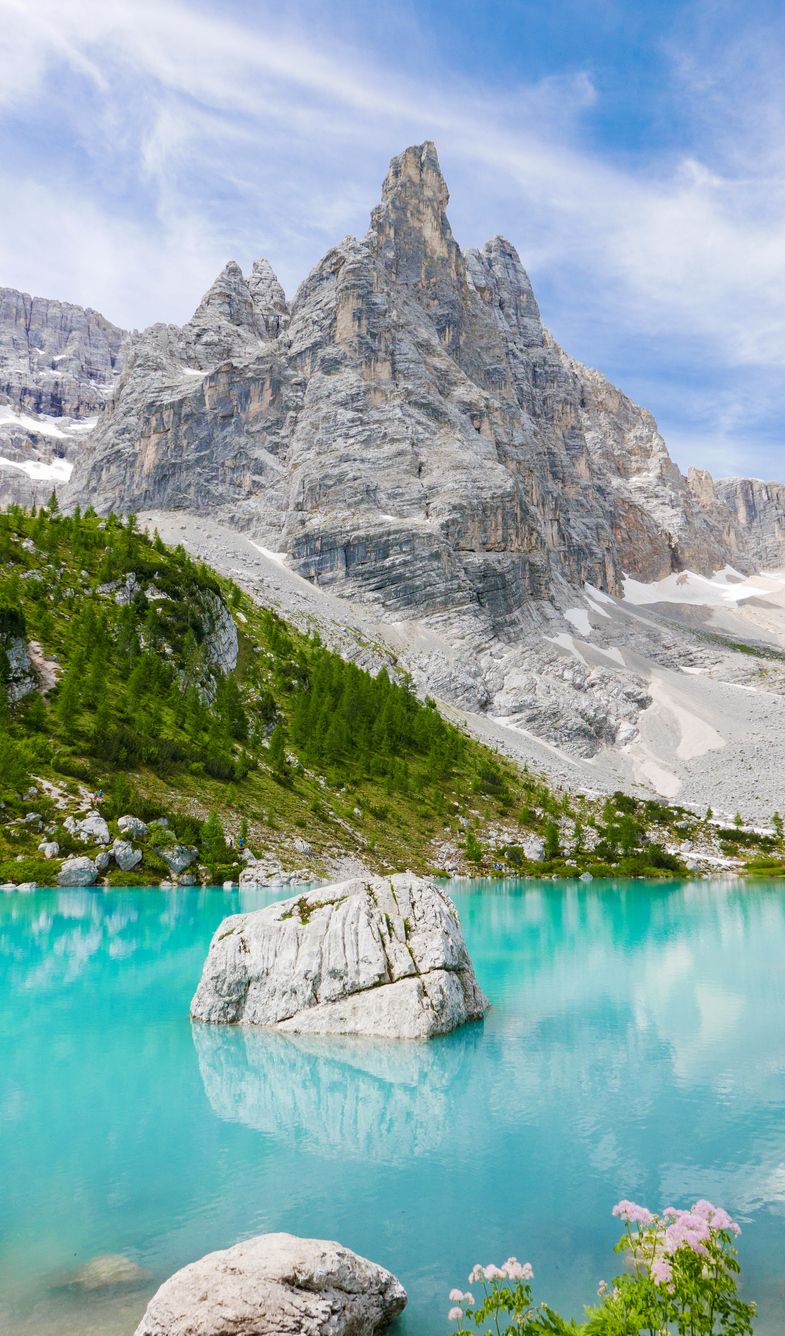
636, 1048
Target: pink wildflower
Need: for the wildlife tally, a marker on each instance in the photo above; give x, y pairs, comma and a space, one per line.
493, 1273
715, 1216
455, 1314
468, 1298
661, 1271
632, 1213
687, 1230
456, 1295
477, 1273
602, 1288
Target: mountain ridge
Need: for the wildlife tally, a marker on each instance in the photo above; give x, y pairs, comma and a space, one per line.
408, 436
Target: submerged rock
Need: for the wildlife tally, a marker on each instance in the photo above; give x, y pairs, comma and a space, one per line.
108, 1272
77, 872
276, 1285
376, 956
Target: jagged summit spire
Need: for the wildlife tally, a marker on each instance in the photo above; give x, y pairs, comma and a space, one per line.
237, 313
410, 223
268, 297
497, 274
227, 299
416, 172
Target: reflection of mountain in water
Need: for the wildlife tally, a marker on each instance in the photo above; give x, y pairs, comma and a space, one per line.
373, 1098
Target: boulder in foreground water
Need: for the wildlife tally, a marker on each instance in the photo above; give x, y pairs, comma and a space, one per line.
376, 955
276, 1285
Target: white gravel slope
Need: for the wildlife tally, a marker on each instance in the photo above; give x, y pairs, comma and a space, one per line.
713, 733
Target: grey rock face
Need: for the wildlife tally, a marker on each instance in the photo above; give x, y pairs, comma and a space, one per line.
131, 825
276, 1285
381, 956
756, 515
94, 828
77, 872
57, 365
220, 643
178, 857
409, 432
21, 676
125, 855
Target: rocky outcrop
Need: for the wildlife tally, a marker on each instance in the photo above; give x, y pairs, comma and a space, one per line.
755, 513
377, 956
57, 365
276, 1285
133, 826
178, 857
126, 855
77, 872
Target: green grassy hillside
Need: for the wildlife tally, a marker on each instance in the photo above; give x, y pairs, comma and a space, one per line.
127, 667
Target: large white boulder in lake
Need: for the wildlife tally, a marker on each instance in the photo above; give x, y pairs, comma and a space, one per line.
376, 955
276, 1285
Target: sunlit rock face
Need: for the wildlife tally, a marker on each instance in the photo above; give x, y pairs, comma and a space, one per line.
276, 1285
58, 363
373, 956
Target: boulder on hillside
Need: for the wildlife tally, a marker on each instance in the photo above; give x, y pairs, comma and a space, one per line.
131, 825
125, 855
376, 955
93, 827
77, 872
178, 857
276, 1285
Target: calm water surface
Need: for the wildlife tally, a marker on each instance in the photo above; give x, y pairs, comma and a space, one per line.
636, 1048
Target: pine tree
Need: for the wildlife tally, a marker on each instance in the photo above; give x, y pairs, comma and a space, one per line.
552, 847
214, 848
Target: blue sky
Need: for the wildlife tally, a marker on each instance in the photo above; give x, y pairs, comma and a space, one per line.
634, 153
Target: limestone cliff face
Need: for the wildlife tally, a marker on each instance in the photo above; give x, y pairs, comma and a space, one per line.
57, 365
753, 512
409, 433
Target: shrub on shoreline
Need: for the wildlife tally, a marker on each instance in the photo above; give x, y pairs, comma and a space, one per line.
681, 1278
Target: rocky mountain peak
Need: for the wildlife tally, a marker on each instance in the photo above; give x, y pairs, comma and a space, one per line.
235, 316
228, 300
410, 223
496, 273
269, 298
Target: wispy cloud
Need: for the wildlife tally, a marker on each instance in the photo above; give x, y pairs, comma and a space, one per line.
172, 135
